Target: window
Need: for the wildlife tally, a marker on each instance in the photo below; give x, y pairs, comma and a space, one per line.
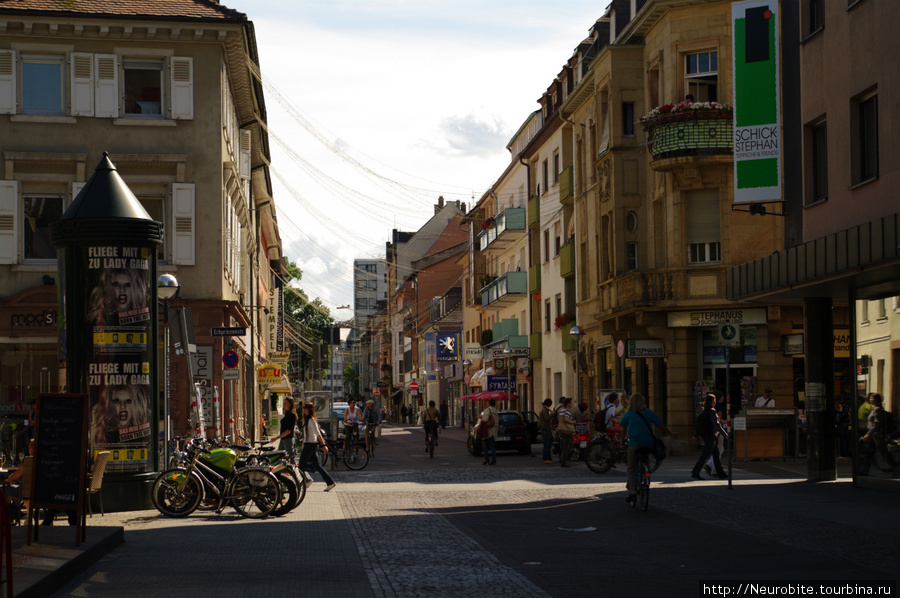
39, 213
631, 256
42, 85
547, 316
558, 239
819, 152
628, 119
703, 234
143, 87
546, 246
701, 78
156, 207
867, 147
555, 167
816, 15
559, 309
546, 175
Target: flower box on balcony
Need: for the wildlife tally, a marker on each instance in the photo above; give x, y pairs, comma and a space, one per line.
686, 129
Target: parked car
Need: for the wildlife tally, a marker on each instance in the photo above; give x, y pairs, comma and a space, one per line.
531, 420
513, 435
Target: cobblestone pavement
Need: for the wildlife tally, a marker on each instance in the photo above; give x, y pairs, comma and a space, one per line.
408, 526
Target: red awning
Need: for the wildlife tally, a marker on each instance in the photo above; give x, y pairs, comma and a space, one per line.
497, 395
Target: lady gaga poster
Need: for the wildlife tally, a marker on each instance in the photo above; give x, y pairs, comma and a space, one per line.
119, 385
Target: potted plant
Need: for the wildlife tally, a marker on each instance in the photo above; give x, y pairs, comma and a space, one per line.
563, 319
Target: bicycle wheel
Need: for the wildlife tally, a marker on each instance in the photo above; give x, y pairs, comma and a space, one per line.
176, 493
254, 493
354, 458
301, 489
598, 456
431, 450
289, 494
370, 438
645, 486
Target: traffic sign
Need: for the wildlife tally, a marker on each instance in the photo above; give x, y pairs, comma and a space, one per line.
230, 359
234, 374
729, 335
414, 385
377, 393
230, 331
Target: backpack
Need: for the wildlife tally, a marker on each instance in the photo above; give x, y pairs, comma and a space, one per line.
703, 425
600, 421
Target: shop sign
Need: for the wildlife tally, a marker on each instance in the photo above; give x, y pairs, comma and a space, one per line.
639, 349
473, 351
45, 318
507, 383
447, 346
793, 344
498, 352
269, 374
713, 317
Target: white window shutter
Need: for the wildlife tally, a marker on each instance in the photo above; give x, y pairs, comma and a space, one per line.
82, 84
76, 188
106, 96
246, 140
183, 224
9, 225
181, 80
7, 82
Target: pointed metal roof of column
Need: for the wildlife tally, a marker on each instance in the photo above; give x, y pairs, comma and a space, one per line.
106, 210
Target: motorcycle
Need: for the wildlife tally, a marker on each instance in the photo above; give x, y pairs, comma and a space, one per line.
580, 441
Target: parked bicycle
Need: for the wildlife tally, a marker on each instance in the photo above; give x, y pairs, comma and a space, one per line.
354, 457
212, 475
602, 454
292, 480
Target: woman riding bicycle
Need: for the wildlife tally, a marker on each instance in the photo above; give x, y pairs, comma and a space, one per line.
431, 421
637, 424
372, 417
352, 417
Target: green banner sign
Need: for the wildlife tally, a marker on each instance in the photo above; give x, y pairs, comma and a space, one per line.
757, 117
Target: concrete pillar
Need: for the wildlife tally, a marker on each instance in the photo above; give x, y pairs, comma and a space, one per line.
819, 326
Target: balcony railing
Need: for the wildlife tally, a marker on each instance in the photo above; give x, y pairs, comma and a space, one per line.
535, 344
568, 343
534, 278
534, 210
567, 260
638, 289
506, 227
692, 133
505, 290
566, 185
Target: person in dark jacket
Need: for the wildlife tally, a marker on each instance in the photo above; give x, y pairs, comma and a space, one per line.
708, 429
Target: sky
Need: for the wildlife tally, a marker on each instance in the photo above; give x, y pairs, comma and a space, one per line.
378, 107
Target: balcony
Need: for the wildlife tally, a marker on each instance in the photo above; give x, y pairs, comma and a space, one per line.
534, 210
503, 230
535, 344
696, 136
534, 278
567, 259
566, 185
506, 290
661, 288
568, 343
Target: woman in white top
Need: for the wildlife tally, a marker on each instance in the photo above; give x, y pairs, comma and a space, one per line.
312, 438
352, 417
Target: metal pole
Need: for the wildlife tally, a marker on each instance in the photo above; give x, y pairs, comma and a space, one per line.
167, 434
728, 411
231, 408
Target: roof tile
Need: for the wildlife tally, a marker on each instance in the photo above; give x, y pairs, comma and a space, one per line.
188, 9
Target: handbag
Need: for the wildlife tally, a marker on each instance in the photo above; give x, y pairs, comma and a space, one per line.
484, 428
659, 449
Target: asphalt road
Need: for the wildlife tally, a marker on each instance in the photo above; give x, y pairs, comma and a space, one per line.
408, 525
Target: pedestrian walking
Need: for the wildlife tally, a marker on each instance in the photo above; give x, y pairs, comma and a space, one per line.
403, 413
565, 429
545, 417
286, 436
490, 417
708, 428
312, 438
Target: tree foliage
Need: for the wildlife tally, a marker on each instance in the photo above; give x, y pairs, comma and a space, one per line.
308, 320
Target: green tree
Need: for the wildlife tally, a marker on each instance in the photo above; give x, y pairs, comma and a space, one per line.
351, 381
308, 321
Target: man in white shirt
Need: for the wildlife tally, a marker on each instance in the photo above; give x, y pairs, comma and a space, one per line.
766, 399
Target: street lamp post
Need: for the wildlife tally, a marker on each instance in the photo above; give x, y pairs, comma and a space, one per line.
167, 291
507, 353
468, 364
576, 335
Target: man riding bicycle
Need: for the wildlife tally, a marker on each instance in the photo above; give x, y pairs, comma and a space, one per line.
352, 415
372, 417
431, 422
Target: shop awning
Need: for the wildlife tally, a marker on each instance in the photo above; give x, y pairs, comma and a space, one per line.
497, 395
396, 393
283, 385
